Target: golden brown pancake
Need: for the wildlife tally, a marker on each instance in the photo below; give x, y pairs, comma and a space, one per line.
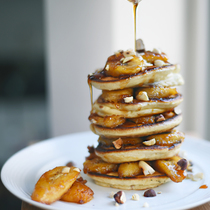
150, 76
139, 182
137, 152
136, 108
127, 130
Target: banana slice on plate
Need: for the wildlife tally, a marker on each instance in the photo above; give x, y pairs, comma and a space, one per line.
54, 183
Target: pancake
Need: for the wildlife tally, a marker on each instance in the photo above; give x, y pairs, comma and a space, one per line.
133, 130
151, 75
136, 108
135, 153
139, 182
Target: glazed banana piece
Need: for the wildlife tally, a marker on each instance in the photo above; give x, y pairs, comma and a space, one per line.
78, 193
54, 183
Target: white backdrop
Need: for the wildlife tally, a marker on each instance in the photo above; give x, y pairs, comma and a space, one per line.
82, 34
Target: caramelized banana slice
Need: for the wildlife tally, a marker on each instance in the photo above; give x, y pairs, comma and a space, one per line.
144, 120
126, 141
158, 92
116, 95
170, 168
129, 169
168, 139
78, 193
150, 57
107, 121
54, 183
99, 166
123, 63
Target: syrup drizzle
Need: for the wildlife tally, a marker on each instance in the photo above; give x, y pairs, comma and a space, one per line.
91, 93
134, 14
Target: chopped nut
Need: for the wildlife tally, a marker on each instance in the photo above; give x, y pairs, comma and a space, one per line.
150, 193
126, 59
142, 96
159, 63
140, 46
120, 197
150, 142
159, 192
76, 169
65, 170
111, 195
147, 169
159, 118
135, 197
157, 50
197, 177
183, 164
177, 111
116, 204
145, 205
118, 143
107, 67
128, 99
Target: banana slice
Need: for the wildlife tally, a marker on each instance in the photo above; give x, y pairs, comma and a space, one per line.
54, 183
123, 63
116, 95
78, 193
158, 92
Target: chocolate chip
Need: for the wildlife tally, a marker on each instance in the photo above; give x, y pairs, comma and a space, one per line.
182, 163
150, 193
70, 164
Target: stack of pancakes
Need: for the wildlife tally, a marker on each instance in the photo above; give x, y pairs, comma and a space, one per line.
135, 120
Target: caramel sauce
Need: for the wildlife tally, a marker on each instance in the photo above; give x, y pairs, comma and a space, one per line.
134, 13
91, 92
203, 186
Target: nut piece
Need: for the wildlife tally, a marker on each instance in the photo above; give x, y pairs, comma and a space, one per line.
120, 197
157, 50
128, 99
65, 170
126, 59
116, 204
147, 169
142, 96
197, 177
118, 143
159, 118
76, 169
159, 63
107, 67
150, 142
183, 164
146, 205
159, 192
150, 193
135, 197
140, 46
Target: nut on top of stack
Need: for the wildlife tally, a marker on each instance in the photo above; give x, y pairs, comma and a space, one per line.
135, 120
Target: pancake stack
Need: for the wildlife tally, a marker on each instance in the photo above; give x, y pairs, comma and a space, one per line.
135, 118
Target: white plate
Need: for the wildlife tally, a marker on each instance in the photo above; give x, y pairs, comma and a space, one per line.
22, 170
